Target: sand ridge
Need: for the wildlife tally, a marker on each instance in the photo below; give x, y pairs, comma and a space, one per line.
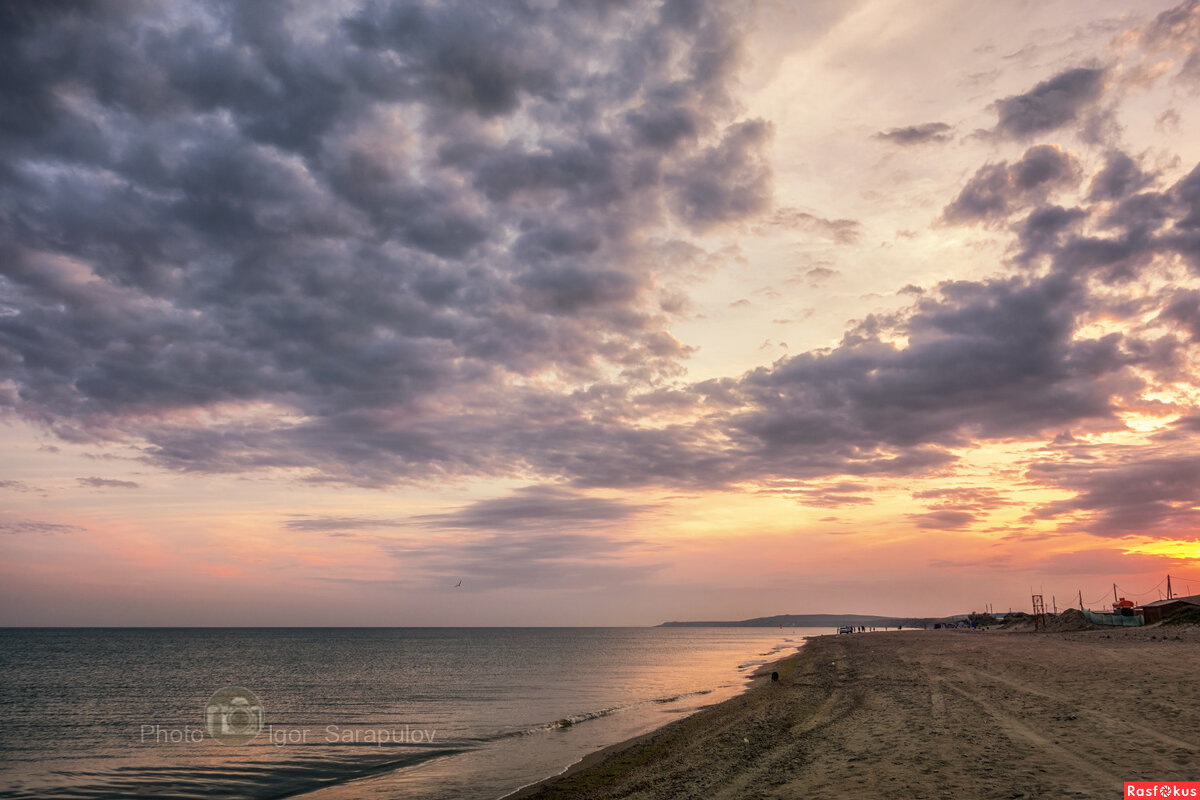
930, 714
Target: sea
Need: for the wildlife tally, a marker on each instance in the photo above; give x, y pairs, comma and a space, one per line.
339, 713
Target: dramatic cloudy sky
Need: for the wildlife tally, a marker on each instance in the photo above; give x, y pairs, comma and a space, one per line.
614, 311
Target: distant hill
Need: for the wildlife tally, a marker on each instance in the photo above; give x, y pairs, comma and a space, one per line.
818, 621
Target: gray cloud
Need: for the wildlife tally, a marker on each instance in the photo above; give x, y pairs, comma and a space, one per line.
1183, 308
1002, 561
366, 243
537, 561
1185, 195
108, 483
339, 524
1177, 31
820, 495
818, 275
953, 508
534, 508
996, 190
1140, 494
16, 527
312, 210
528, 507
539, 537
1120, 177
991, 359
841, 231
983, 360
1131, 234
726, 182
916, 134
1043, 230
962, 498
994, 359
943, 519
1051, 104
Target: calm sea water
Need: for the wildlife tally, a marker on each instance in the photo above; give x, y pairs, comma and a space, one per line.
347, 713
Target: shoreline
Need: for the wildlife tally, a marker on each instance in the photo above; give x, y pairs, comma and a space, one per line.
919, 714
758, 678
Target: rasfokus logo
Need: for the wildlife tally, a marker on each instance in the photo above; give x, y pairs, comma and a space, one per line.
233, 715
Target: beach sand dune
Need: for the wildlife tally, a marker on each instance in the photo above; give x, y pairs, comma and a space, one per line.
937, 714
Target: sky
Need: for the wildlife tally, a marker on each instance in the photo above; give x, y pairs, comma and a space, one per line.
612, 312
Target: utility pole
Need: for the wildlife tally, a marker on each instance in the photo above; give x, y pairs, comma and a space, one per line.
1168, 587
1054, 603
1081, 599
1114, 595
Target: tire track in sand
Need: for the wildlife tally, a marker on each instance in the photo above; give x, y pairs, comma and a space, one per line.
1017, 730
1118, 727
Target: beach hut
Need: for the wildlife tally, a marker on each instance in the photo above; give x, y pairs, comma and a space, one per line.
1159, 609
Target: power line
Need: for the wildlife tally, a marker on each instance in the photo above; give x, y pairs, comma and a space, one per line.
1101, 600
1143, 594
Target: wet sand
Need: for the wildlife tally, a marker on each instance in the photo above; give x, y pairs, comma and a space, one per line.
929, 714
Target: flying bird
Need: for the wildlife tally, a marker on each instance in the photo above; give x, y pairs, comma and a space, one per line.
458, 584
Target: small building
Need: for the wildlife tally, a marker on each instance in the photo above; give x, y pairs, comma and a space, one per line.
1160, 609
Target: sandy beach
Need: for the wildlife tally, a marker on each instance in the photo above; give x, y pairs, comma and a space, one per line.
929, 714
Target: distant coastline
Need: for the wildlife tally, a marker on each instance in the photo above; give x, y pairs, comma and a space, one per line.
818, 621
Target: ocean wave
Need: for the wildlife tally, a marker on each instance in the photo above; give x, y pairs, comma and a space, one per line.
254, 781
573, 720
